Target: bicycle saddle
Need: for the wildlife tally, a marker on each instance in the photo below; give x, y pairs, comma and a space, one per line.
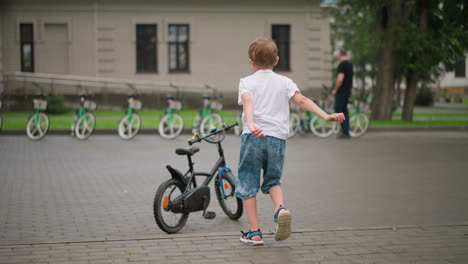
187, 151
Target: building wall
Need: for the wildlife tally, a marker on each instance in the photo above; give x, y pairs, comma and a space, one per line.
450, 81
101, 37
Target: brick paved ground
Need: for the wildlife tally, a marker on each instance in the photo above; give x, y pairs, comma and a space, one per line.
66, 201
407, 245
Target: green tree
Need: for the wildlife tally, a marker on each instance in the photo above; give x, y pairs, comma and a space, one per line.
412, 40
432, 41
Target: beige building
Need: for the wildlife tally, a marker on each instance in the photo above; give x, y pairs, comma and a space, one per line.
184, 41
456, 82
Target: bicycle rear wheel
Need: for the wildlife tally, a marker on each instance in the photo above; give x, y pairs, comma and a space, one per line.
167, 220
37, 126
358, 125
85, 125
320, 127
170, 126
225, 192
129, 126
294, 124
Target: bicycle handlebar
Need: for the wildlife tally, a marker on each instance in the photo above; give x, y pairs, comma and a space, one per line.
196, 139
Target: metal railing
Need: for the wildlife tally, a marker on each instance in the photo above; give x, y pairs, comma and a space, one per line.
101, 82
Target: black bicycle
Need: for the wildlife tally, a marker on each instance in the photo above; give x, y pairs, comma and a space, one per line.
179, 196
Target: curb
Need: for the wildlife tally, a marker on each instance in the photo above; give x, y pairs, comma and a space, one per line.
143, 131
126, 238
418, 128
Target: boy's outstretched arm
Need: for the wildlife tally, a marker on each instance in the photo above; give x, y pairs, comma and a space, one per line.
308, 105
249, 115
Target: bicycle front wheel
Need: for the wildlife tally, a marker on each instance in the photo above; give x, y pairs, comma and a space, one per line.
85, 126
170, 126
37, 126
225, 192
209, 122
167, 220
129, 126
321, 128
358, 125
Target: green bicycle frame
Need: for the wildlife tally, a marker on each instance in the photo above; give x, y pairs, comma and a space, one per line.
36, 116
129, 113
205, 111
80, 112
356, 109
170, 112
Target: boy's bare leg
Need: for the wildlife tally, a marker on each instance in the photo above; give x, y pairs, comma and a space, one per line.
251, 209
277, 197
283, 224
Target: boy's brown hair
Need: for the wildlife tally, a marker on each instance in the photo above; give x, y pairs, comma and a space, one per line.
263, 52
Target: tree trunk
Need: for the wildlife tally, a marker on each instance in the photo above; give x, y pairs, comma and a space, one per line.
413, 77
383, 92
410, 95
384, 88
394, 14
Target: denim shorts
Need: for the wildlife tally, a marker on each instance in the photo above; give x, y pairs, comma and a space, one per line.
257, 154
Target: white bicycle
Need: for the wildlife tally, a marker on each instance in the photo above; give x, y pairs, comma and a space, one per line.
358, 122
171, 124
84, 121
38, 123
130, 123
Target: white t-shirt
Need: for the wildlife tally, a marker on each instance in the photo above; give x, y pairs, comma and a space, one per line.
270, 94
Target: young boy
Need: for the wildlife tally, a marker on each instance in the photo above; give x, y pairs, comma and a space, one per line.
265, 98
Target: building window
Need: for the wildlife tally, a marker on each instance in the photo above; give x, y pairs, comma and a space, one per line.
460, 68
27, 47
178, 48
281, 34
146, 47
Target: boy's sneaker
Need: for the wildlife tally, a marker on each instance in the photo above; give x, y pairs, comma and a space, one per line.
246, 237
283, 223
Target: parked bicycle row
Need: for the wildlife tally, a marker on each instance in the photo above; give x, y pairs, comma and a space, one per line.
83, 125
301, 122
171, 124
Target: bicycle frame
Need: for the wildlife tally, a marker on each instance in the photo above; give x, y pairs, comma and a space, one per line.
206, 110
79, 113
36, 116
356, 109
219, 166
130, 112
169, 111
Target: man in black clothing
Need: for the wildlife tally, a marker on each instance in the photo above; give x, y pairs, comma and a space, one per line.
342, 91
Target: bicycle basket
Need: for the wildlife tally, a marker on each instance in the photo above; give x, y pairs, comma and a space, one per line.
217, 106
134, 104
40, 104
174, 104
90, 105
